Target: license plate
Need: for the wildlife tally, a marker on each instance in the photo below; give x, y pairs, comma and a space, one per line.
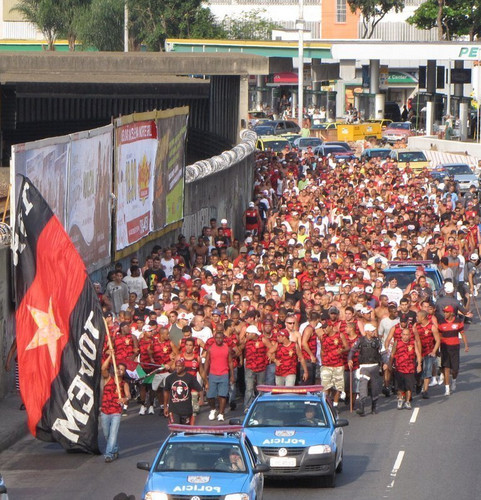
282, 462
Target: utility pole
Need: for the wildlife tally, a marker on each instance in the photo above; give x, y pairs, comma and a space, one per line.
126, 27
300, 80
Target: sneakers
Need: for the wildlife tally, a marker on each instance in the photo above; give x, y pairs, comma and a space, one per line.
108, 459
212, 414
151, 410
386, 391
124, 411
407, 405
453, 385
400, 403
233, 406
447, 392
424, 395
142, 410
342, 396
220, 417
441, 379
433, 382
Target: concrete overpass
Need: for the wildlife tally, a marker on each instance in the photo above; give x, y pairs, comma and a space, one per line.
58, 93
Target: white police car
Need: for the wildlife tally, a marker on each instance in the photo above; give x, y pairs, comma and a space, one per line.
204, 463
295, 431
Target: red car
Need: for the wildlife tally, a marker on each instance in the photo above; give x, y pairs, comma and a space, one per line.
397, 131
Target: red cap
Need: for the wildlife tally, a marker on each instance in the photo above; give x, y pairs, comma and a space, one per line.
449, 309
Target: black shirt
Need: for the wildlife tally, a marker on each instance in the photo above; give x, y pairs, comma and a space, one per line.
180, 387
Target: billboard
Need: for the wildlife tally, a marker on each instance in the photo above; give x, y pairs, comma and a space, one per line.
74, 175
149, 176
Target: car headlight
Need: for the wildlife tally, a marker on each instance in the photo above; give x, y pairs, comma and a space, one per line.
319, 449
156, 495
237, 496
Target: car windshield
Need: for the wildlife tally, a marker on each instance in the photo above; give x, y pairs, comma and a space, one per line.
287, 414
404, 125
276, 145
263, 130
335, 149
201, 457
412, 156
379, 153
309, 141
405, 277
458, 169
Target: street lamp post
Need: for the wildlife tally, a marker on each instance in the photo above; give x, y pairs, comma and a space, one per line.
300, 80
126, 27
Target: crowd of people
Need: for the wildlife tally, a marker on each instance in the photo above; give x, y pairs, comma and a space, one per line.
302, 297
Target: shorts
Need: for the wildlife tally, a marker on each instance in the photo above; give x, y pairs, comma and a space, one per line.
428, 363
332, 377
404, 381
218, 386
174, 418
158, 381
450, 357
385, 356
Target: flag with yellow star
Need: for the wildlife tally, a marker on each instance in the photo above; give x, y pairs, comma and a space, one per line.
59, 328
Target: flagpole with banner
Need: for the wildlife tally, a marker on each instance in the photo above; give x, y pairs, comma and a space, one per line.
59, 328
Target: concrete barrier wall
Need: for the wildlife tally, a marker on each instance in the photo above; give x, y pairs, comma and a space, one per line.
427, 143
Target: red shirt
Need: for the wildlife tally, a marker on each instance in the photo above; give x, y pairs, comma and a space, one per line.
405, 357
331, 347
110, 397
144, 347
124, 347
255, 354
450, 333
287, 356
161, 351
191, 365
427, 338
219, 359
312, 343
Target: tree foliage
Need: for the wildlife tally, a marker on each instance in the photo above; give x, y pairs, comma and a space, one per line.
250, 26
452, 18
373, 11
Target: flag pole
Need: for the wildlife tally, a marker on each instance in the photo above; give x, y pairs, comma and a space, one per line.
7, 201
111, 347
350, 389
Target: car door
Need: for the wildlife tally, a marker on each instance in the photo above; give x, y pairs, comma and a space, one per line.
257, 482
338, 433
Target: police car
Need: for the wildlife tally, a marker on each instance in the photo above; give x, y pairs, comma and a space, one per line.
204, 463
295, 431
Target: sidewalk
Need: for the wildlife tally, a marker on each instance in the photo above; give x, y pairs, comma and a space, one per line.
13, 422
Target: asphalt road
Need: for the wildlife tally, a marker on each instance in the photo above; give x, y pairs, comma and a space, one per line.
433, 451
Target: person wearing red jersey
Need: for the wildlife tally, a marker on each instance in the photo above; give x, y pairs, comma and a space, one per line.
163, 353
147, 364
309, 346
334, 345
112, 403
430, 343
126, 346
450, 330
255, 362
407, 360
270, 334
351, 334
220, 372
194, 366
252, 219
286, 356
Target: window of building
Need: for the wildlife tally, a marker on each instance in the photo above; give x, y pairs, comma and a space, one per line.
340, 11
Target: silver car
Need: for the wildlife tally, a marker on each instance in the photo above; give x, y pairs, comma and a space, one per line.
462, 174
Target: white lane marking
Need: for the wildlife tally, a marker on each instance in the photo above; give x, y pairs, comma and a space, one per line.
414, 416
397, 463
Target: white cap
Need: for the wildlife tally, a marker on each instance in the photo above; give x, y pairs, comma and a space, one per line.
292, 241
239, 276
223, 221
448, 287
183, 315
252, 204
474, 256
369, 328
245, 299
253, 329
162, 320
147, 328
248, 240
369, 289
360, 270
358, 307
365, 310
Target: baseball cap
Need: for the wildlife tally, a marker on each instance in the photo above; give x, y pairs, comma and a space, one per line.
239, 276
147, 328
283, 332
217, 312
223, 221
163, 320
369, 289
448, 309
252, 204
245, 299
448, 287
253, 329
369, 328
474, 256
183, 315
365, 310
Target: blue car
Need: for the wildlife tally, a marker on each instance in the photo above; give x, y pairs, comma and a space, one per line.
295, 430
205, 463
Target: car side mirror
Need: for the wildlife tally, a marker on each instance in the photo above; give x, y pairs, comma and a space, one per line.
143, 466
260, 468
235, 421
341, 422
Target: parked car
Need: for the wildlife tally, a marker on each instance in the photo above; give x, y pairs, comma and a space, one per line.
307, 142
271, 143
277, 127
417, 159
405, 273
462, 174
397, 131
370, 153
339, 152
384, 122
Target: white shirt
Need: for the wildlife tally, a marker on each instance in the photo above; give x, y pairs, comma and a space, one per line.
393, 294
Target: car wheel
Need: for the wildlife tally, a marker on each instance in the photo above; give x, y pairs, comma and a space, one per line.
340, 465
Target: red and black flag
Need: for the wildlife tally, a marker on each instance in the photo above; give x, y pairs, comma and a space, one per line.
59, 328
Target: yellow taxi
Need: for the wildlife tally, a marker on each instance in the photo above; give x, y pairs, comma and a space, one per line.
271, 143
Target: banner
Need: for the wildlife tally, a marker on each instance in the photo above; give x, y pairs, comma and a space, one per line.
59, 328
89, 202
149, 174
136, 152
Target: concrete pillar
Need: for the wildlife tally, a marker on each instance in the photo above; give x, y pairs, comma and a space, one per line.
243, 104
379, 101
340, 98
459, 87
463, 119
374, 76
429, 117
316, 86
259, 84
294, 105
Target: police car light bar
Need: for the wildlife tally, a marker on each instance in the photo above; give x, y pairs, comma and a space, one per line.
206, 429
298, 389
410, 262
